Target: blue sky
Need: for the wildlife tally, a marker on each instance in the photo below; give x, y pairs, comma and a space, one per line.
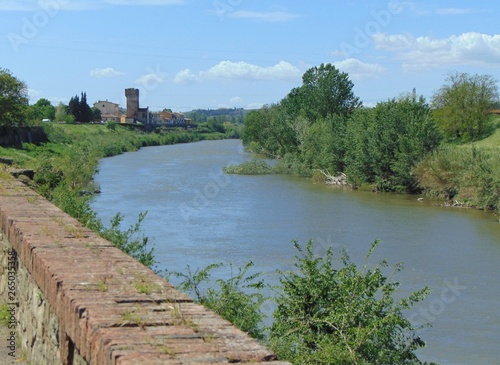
186, 54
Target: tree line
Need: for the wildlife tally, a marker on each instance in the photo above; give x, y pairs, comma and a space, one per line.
15, 110
323, 126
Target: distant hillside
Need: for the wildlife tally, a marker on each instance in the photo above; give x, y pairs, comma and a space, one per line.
233, 115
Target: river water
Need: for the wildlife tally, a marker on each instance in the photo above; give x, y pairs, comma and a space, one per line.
197, 216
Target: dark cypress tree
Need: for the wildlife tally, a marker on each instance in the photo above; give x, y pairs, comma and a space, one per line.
86, 115
74, 107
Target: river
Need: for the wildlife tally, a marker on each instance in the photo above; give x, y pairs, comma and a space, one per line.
197, 216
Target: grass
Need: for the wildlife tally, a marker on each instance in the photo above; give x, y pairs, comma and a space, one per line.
467, 174
4, 314
491, 142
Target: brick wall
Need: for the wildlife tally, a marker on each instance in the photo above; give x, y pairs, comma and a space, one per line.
82, 301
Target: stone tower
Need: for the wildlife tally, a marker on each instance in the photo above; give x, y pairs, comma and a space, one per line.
132, 102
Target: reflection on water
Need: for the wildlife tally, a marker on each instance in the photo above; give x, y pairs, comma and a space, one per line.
198, 216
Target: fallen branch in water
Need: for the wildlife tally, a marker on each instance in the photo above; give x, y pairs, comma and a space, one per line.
340, 179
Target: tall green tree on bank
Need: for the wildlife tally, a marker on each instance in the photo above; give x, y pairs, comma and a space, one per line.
326, 95
13, 100
325, 91
462, 105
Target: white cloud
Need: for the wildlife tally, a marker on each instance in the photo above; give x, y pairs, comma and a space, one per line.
151, 79
426, 52
105, 72
453, 11
33, 94
358, 70
236, 100
241, 71
272, 16
185, 76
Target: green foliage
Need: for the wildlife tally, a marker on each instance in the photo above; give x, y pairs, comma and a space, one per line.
387, 142
466, 175
237, 299
463, 104
342, 316
270, 131
42, 109
4, 314
325, 91
377, 146
130, 241
80, 109
13, 100
253, 167
62, 115
96, 114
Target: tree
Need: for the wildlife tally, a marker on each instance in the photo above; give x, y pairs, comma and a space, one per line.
42, 109
62, 114
324, 91
342, 316
86, 111
96, 114
385, 143
462, 105
79, 108
74, 107
13, 100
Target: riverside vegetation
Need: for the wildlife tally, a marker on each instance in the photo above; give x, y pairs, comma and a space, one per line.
448, 148
329, 310
64, 169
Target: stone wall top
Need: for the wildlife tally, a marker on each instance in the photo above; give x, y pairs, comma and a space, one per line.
111, 308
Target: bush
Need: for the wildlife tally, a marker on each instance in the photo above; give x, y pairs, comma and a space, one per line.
130, 241
469, 176
237, 299
342, 316
254, 167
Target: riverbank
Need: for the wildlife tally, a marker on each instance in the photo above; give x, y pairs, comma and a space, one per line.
62, 171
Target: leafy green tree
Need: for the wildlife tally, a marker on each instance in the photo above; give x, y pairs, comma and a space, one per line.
63, 115
324, 91
13, 100
96, 114
42, 109
342, 316
462, 105
323, 144
270, 131
385, 143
